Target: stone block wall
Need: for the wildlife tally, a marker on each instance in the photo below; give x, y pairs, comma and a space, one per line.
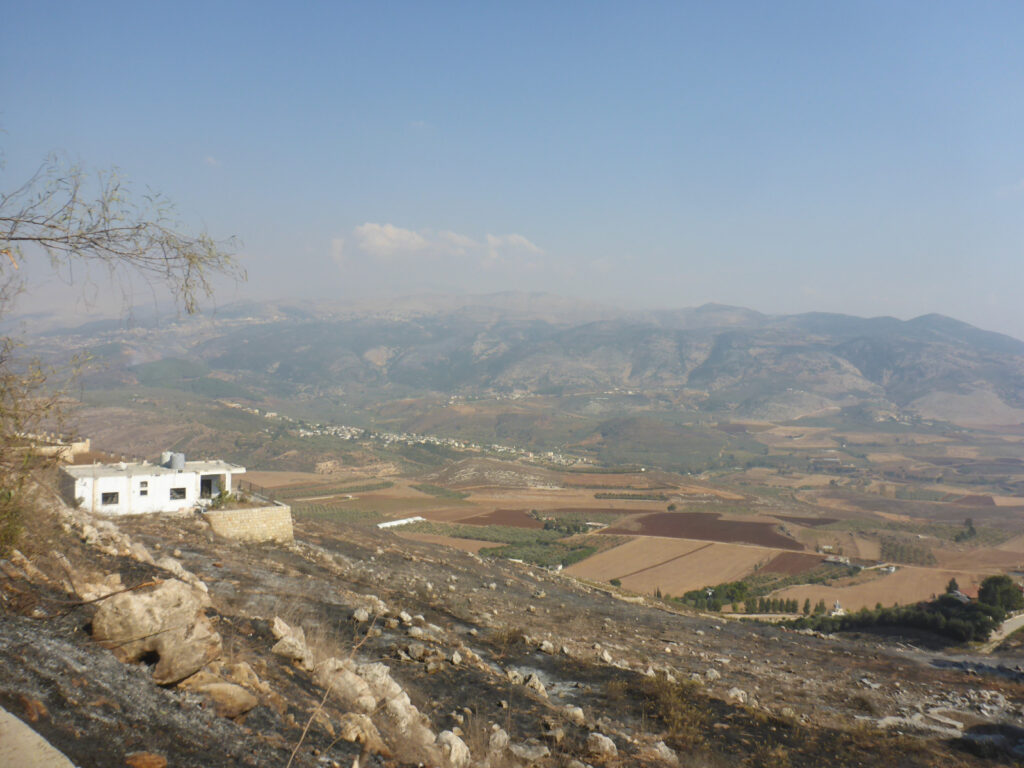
253, 523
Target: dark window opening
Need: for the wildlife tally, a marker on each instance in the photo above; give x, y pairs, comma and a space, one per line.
143, 492
206, 488
177, 493
109, 498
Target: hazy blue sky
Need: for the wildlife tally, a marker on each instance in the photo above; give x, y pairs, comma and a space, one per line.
856, 157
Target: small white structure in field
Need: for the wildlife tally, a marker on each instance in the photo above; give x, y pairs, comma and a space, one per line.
140, 487
403, 521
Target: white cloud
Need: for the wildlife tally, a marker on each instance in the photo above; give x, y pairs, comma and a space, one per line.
386, 240
503, 245
211, 161
459, 244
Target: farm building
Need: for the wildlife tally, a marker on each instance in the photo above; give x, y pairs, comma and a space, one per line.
139, 487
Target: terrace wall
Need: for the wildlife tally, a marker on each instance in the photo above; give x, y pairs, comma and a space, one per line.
272, 523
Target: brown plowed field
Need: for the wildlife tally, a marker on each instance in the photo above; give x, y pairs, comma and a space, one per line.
646, 564
792, 563
515, 518
706, 526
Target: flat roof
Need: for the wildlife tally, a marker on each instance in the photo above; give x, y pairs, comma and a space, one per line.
136, 469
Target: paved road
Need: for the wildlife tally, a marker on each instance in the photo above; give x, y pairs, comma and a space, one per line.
21, 746
1006, 629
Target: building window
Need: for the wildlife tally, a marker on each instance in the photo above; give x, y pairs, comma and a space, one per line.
108, 498
143, 483
177, 493
143, 492
143, 488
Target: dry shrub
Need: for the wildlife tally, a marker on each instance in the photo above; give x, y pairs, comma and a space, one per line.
505, 638
775, 756
616, 690
677, 706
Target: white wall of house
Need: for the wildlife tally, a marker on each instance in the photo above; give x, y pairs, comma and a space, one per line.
142, 488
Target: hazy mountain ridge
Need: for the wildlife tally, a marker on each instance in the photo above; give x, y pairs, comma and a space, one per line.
733, 361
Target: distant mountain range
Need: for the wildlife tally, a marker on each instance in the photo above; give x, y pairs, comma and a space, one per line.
730, 362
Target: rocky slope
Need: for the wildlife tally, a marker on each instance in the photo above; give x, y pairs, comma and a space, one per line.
356, 647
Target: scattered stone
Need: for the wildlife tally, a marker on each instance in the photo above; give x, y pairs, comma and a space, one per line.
229, 700
416, 651
140, 553
360, 729
498, 740
712, 674
736, 696
547, 647
453, 749
291, 643
242, 674
665, 753
535, 684
575, 715
361, 615
600, 745
529, 752
31, 572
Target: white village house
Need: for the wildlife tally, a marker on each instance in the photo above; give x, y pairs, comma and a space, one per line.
138, 487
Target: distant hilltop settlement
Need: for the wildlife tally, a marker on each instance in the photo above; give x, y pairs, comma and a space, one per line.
173, 485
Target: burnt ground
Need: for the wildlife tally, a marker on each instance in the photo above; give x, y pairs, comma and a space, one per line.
719, 692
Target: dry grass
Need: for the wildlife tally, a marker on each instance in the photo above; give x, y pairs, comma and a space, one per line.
677, 707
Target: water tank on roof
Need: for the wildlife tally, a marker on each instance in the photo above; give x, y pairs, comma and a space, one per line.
165, 459
177, 461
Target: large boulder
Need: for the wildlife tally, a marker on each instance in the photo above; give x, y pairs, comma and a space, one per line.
164, 624
339, 677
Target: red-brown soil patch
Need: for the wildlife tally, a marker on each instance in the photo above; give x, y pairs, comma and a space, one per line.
514, 518
792, 563
976, 500
705, 526
811, 522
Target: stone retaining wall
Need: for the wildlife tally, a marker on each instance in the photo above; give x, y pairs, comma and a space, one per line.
272, 523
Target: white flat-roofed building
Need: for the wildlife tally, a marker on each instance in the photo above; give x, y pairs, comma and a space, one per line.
140, 487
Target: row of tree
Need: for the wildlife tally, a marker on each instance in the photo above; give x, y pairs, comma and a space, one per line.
950, 615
